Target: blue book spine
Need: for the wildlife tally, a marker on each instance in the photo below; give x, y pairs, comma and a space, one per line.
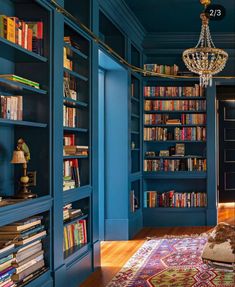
7, 274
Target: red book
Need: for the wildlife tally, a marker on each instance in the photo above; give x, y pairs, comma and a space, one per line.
30, 40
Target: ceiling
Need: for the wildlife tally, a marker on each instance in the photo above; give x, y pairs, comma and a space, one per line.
159, 16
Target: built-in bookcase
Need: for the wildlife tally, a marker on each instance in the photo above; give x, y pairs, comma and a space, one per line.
175, 148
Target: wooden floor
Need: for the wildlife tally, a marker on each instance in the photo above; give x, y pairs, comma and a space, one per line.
114, 254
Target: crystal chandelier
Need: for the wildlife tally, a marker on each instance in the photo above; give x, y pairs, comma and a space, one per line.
205, 59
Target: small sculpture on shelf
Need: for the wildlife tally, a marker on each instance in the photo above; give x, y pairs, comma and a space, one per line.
21, 156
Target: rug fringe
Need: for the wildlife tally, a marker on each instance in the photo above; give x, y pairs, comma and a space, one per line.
204, 234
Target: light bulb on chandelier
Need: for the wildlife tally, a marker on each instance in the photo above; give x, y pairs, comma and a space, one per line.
205, 59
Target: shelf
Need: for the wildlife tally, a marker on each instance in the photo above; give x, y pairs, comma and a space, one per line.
174, 157
76, 51
176, 209
75, 130
176, 141
135, 116
176, 125
174, 98
76, 194
135, 133
76, 75
133, 99
177, 80
18, 54
66, 223
175, 175
22, 123
14, 86
74, 103
174, 112
66, 157
135, 149
76, 252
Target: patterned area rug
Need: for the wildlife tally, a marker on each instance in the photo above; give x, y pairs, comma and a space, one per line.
171, 262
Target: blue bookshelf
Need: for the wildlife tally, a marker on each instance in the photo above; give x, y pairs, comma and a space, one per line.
164, 179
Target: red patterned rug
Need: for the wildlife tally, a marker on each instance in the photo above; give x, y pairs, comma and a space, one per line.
171, 262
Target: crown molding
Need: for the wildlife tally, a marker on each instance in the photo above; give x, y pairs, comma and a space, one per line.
125, 19
185, 40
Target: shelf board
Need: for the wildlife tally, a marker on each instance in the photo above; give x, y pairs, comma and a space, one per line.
76, 51
66, 157
175, 157
175, 209
183, 98
13, 86
76, 75
175, 141
22, 123
15, 52
76, 194
66, 223
76, 252
134, 99
175, 175
175, 112
135, 116
75, 130
75, 103
176, 125
135, 133
135, 149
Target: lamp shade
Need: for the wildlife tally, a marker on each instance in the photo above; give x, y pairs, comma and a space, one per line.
18, 157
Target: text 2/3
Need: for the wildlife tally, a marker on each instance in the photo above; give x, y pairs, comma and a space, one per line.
215, 12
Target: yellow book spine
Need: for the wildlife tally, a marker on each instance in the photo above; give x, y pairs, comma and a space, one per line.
10, 30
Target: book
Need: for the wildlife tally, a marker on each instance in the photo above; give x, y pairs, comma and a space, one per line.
5, 248
20, 276
31, 238
27, 252
19, 79
31, 262
21, 235
7, 273
21, 225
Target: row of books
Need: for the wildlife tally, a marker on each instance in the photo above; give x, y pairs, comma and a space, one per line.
182, 134
70, 117
193, 91
71, 174
70, 147
184, 119
70, 213
153, 199
75, 234
189, 164
11, 107
21, 80
70, 88
182, 105
27, 34
27, 261
162, 69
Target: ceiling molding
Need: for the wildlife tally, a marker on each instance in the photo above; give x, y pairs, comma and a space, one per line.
182, 40
125, 19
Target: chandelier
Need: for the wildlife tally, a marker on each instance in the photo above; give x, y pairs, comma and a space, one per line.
205, 59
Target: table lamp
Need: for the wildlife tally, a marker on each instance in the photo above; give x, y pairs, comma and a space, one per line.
21, 156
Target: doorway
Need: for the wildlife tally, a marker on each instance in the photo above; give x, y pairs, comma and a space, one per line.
226, 126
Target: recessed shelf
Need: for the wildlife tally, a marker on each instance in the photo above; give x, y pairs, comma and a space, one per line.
75, 194
74, 103
75, 157
174, 98
175, 112
176, 125
14, 52
76, 51
76, 252
135, 116
75, 130
175, 175
76, 75
22, 123
14, 86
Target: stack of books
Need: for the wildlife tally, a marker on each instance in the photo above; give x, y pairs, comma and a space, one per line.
71, 174
175, 105
70, 117
162, 69
21, 80
28, 261
68, 64
75, 234
70, 213
6, 268
28, 35
11, 107
75, 150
